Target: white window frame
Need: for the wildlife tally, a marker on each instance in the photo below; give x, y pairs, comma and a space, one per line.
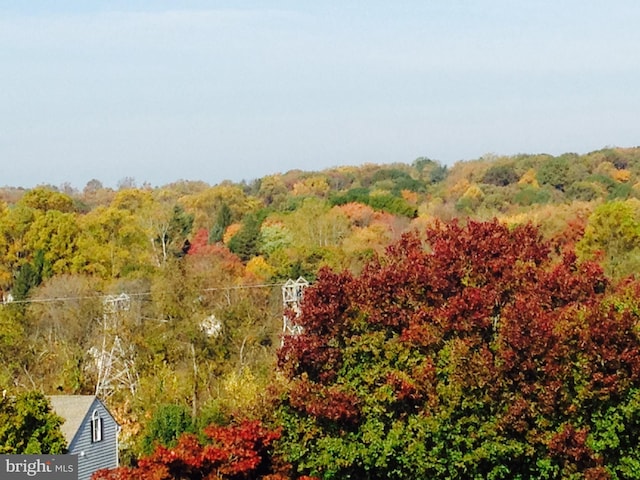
96, 427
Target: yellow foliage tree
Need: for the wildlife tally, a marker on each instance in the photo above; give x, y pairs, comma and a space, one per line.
54, 233
529, 178
473, 192
111, 243
621, 176
206, 204
410, 197
259, 268
313, 186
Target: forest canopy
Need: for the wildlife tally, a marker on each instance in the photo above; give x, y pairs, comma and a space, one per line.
469, 321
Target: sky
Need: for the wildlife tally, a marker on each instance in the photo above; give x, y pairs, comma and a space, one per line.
159, 91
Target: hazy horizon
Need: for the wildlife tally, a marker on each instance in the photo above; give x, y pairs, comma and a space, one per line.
217, 91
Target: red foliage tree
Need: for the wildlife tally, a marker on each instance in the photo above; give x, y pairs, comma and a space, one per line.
499, 357
236, 452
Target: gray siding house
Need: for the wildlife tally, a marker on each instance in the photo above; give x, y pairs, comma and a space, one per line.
90, 430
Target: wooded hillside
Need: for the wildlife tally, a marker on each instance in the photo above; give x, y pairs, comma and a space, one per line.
180, 286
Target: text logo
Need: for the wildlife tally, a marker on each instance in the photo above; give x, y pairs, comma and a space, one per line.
50, 467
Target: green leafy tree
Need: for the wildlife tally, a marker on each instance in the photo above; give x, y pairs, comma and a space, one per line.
554, 172
500, 175
586, 191
529, 195
431, 170
438, 174
379, 201
28, 426
167, 424
623, 191
396, 180
12, 343
274, 236
273, 191
613, 231
316, 224
61, 332
176, 355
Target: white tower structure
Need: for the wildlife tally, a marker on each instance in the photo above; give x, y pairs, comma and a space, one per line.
114, 363
292, 294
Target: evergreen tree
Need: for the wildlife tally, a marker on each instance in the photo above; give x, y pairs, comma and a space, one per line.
223, 220
245, 243
30, 275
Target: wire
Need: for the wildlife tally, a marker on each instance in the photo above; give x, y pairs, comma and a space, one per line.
138, 294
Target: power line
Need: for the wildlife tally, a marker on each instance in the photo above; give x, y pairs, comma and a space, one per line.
138, 294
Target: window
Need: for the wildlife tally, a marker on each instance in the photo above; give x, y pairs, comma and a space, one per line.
96, 427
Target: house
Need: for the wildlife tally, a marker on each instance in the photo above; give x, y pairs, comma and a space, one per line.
90, 430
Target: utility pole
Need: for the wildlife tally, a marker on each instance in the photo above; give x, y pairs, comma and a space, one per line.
292, 294
113, 361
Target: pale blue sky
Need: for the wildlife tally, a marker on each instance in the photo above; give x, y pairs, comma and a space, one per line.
212, 90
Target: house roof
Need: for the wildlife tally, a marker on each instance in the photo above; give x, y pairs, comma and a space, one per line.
73, 409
